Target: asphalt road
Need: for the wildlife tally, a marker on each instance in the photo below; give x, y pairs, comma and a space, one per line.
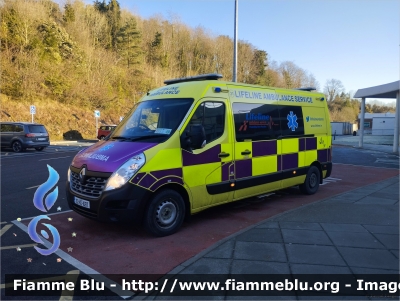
350, 155
22, 173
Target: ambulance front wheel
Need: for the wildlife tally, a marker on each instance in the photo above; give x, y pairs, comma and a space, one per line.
311, 183
165, 213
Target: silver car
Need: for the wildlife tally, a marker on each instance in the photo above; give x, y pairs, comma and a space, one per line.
22, 135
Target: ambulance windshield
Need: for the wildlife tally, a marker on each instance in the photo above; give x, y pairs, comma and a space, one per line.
152, 119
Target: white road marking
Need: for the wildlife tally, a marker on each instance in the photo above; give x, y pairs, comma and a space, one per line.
33, 186
54, 158
369, 166
330, 180
79, 265
386, 161
18, 246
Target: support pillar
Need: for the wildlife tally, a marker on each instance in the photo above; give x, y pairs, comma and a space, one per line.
396, 125
360, 143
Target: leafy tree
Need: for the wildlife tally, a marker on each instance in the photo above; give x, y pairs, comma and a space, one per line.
128, 43
69, 13
114, 19
12, 31
56, 43
260, 64
100, 6
112, 11
154, 55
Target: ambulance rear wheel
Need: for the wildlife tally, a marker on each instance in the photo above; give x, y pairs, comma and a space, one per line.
311, 183
165, 213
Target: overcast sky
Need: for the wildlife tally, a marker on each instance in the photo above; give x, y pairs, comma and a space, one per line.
354, 41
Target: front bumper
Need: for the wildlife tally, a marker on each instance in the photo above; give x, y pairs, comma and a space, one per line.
33, 144
125, 204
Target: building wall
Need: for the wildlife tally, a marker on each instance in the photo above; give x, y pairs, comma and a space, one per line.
383, 126
378, 123
342, 128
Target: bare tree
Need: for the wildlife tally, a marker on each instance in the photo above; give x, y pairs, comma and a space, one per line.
333, 88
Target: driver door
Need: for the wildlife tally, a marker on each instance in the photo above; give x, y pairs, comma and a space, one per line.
207, 153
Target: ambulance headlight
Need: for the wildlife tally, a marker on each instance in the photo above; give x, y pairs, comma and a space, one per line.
125, 172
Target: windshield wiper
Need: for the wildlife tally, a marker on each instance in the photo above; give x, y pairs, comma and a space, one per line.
119, 137
138, 137
146, 137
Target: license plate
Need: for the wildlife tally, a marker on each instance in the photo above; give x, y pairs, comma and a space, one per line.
41, 139
82, 203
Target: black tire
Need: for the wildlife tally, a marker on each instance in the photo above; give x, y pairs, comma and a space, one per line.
17, 147
102, 137
165, 213
311, 183
39, 149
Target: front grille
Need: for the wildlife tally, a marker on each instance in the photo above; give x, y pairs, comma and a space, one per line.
91, 187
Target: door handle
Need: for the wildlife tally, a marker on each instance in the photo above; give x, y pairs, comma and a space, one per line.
246, 152
223, 155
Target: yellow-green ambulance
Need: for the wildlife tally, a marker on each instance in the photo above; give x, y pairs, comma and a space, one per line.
199, 142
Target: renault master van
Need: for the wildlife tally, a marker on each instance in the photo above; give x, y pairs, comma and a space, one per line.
198, 142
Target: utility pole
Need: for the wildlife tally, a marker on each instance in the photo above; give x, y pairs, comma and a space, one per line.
234, 77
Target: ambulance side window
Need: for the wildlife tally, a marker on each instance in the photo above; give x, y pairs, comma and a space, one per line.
255, 122
291, 118
210, 117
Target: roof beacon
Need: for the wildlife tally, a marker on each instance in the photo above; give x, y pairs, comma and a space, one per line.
210, 76
309, 89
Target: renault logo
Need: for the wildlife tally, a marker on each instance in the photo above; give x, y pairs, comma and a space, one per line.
82, 175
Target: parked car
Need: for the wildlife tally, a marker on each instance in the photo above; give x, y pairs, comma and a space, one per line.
22, 135
104, 131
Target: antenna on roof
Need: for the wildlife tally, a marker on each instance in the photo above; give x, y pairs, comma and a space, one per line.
209, 76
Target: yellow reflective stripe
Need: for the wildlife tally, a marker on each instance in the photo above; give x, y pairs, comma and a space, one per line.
290, 146
264, 165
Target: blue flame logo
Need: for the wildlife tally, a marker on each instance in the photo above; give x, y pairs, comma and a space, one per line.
48, 202
105, 147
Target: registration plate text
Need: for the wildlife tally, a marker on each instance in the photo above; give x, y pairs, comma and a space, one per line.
82, 203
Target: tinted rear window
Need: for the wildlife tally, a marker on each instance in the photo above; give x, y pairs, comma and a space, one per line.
37, 129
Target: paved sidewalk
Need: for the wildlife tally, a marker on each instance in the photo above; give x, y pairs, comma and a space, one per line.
377, 143
356, 232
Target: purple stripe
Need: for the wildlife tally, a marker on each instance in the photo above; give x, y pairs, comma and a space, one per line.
166, 181
330, 154
225, 171
302, 144
264, 148
243, 168
138, 177
311, 143
279, 158
147, 181
290, 161
209, 156
168, 172
323, 155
